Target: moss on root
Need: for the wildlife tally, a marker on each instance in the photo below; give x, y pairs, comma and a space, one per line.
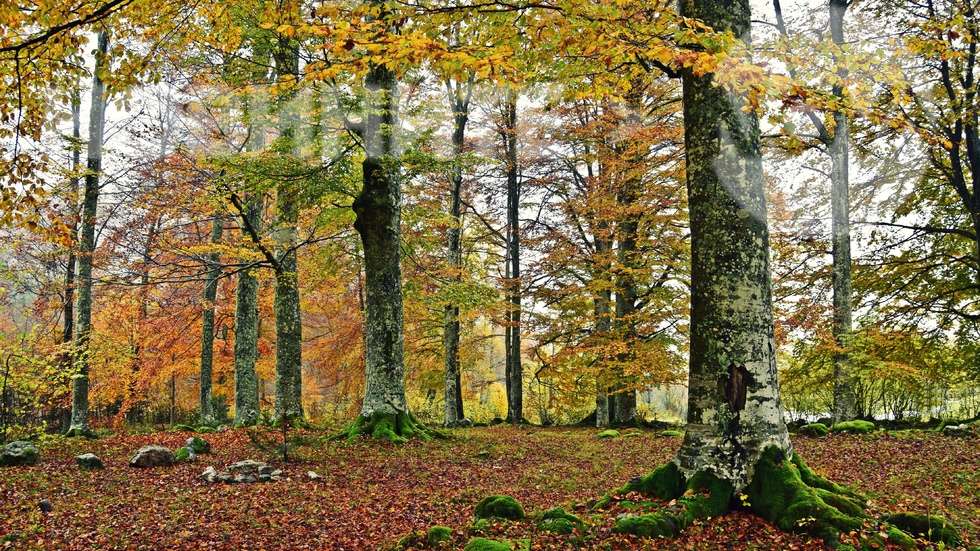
932, 528
559, 521
398, 428
498, 506
80, 433
483, 544
705, 496
779, 493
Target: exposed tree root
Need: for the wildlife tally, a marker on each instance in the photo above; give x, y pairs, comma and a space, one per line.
783, 491
80, 433
398, 428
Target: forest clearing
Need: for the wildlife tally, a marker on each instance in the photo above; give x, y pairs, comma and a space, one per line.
371, 495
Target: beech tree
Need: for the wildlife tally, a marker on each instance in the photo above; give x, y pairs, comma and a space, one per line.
736, 441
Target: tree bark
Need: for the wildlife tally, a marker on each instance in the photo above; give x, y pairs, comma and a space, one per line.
514, 371
459, 102
79, 402
213, 265
289, 323
603, 322
734, 411
838, 147
247, 330
378, 210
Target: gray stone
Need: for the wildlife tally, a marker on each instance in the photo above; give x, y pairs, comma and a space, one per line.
265, 469
225, 477
210, 474
152, 456
265, 478
89, 461
19, 452
244, 479
958, 430
247, 466
313, 476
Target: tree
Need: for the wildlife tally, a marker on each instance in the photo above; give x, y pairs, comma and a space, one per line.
213, 267
736, 440
79, 403
513, 371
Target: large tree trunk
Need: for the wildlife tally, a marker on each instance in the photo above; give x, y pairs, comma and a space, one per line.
734, 411
79, 402
844, 409
213, 265
514, 372
289, 323
247, 330
460, 101
603, 322
627, 232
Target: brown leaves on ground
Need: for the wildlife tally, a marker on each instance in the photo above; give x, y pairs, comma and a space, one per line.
371, 494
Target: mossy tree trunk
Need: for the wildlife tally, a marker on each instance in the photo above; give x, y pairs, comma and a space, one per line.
213, 265
514, 372
90, 204
736, 441
459, 96
289, 324
838, 147
247, 329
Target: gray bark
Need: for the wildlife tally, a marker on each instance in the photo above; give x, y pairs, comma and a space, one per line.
838, 147
213, 265
603, 323
734, 411
378, 210
627, 231
247, 331
454, 256
68, 308
514, 371
289, 323
90, 205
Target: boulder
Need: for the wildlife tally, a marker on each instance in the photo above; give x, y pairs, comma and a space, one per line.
244, 479
210, 474
499, 506
89, 461
152, 456
247, 466
313, 476
958, 430
610, 433
19, 452
198, 445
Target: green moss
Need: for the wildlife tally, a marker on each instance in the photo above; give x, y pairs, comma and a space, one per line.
205, 430
901, 539
499, 506
706, 496
665, 482
559, 521
200, 445
814, 430
779, 494
611, 433
483, 544
679, 433
814, 480
845, 504
385, 426
854, 427
438, 534
184, 428
930, 527
182, 454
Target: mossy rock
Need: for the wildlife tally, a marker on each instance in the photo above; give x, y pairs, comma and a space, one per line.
80, 433
611, 433
483, 544
678, 433
205, 430
182, 454
184, 428
665, 482
854, 427
498, 506
932, 528
18, 452
814, 430
438, 534
559, 521
199, 444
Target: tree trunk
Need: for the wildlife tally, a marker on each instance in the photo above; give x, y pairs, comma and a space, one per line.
454, 255
213, 265
289, 323
514, 371
79, 402
247, 330
603, 324
627, 229
838, 148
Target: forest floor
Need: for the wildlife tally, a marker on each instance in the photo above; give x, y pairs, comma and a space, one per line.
372, 494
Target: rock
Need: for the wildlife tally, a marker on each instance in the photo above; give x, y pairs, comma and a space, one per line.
198, 445
611, 433
247, 466
499, 506
958, 430
276, 475
814, 430
19, 452
265, 469
313, 476
210, 474
225, 477
854, 427
152, 456
185, 454
244, 479
265, 478
45, 506
222, 428
437, 535
89, 461
496, 421
466, 422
